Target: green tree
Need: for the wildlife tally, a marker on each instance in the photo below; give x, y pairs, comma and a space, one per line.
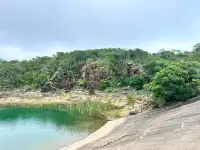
136, 81
155, 66
196, 48
174, 83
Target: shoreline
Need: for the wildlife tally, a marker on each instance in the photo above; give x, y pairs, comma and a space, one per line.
116, 98
121, 99
32, 102
100, 133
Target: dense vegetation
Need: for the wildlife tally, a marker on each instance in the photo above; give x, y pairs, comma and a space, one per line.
170, 75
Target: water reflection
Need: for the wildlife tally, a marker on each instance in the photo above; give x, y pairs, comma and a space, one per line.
42, 128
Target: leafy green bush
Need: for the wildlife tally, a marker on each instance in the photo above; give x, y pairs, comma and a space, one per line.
198, 82
33, 79
155, 66
136, 81
174, 83
82, 83
104, 84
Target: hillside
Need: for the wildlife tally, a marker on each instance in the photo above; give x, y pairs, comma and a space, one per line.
169, 76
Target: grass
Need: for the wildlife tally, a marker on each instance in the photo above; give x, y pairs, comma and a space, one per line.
108, 106
85, 109
93, 108
62, 92
131, 100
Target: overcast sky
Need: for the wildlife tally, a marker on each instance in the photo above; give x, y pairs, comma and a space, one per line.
29, 28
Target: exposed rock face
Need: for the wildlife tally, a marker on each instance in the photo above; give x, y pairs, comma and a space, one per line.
48, 87
133, 69
63, 80
92, 74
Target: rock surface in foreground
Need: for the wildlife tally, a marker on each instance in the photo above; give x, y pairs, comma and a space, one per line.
175, 129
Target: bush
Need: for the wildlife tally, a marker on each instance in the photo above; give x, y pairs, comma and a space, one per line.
155, 66
146, 87
198, 82
104, 84
136, 81
82, 83
174, 83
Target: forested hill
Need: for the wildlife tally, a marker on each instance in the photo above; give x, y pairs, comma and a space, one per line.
170, 75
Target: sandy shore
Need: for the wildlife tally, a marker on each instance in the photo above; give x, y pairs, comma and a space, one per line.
103, 131
118, 97
31, 102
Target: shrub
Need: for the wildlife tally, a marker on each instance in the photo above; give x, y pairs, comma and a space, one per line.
104, 84
136, 81
155, 66
198, 82
82, 83
174, 83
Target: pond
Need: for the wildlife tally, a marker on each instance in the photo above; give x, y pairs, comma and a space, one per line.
42, 128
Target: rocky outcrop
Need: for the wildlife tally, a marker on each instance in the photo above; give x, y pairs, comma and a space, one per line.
93, 73
48, 87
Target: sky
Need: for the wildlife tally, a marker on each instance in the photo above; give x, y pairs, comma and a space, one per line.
42, 27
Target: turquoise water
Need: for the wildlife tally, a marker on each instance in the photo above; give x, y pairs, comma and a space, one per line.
42, 129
